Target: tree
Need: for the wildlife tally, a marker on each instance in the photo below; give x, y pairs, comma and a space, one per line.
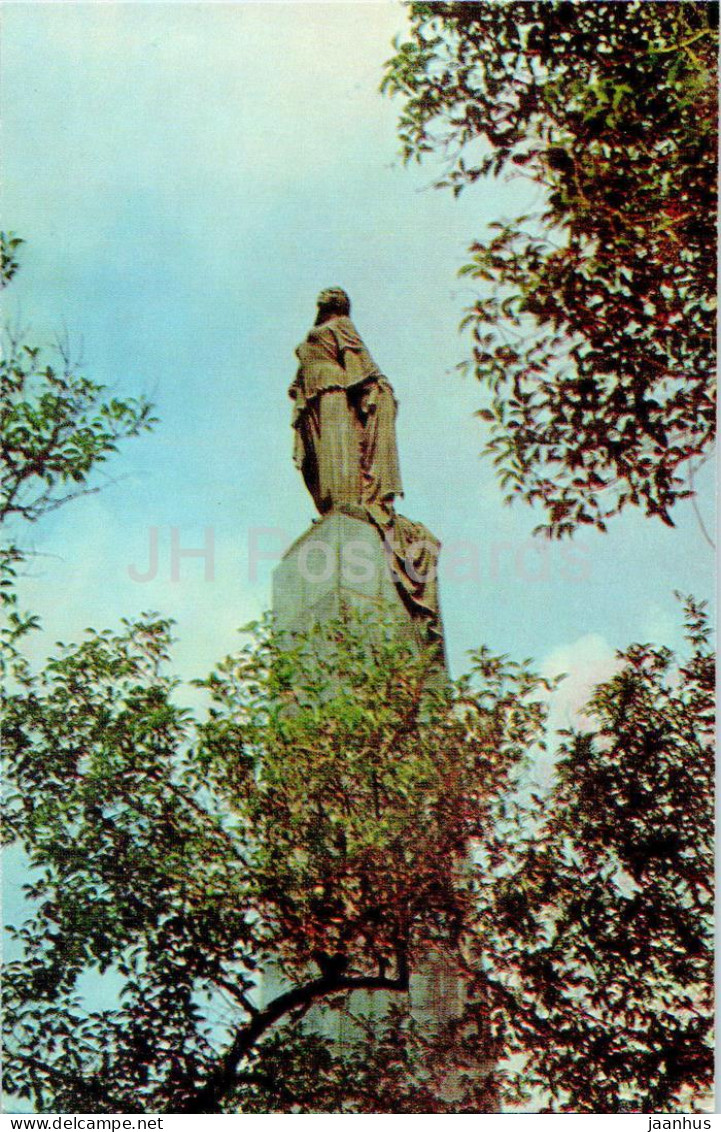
9, 246
594, 327
313, 823
56, 426
598, 938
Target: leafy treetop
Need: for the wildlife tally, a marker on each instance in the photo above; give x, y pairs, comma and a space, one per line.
594, 327
56, 426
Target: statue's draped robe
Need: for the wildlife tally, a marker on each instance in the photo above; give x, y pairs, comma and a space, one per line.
344, 419
345, 447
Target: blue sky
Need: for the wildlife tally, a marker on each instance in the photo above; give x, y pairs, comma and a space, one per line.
188, 176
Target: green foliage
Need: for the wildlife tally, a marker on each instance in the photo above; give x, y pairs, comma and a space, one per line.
16, 625
314, 824
56, 426
9, 244
597, 930
361, 785
317, 824
128, 879
594, 327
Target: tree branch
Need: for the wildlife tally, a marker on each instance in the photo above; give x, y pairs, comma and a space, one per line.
208, 1096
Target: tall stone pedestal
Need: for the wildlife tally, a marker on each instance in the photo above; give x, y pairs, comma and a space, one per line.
341, 563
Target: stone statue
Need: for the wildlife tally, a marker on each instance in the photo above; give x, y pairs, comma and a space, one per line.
344, 420
344, 416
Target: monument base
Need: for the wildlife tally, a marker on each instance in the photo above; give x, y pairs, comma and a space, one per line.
341, 563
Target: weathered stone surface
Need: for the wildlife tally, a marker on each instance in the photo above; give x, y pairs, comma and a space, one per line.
341, 563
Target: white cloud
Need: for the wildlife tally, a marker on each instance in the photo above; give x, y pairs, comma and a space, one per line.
587, 662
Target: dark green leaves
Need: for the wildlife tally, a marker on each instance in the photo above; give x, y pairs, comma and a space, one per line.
607, 295
597, 930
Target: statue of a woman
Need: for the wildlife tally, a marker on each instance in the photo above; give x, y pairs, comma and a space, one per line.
344, 417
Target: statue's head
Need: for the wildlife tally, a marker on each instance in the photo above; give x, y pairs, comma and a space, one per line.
333, 300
